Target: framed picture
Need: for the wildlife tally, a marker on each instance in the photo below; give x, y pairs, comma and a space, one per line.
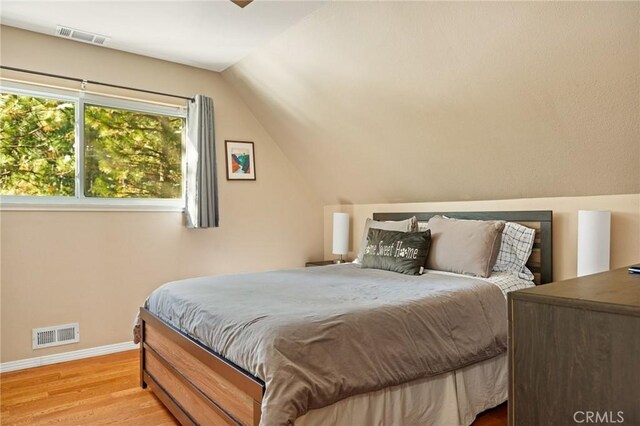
241, 164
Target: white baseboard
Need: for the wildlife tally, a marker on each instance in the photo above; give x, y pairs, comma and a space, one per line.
66, 356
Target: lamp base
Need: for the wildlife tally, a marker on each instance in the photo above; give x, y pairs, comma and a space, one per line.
339, 261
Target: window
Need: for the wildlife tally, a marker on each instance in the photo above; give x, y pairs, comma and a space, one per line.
69, 149
37, 150
131, 154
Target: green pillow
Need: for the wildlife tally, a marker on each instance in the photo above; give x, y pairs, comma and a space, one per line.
397, 251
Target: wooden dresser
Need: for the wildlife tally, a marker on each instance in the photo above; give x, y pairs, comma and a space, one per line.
574, 352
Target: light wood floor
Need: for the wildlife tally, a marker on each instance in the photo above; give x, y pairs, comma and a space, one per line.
101, 390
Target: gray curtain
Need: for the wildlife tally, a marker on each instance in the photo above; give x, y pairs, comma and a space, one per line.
201, 186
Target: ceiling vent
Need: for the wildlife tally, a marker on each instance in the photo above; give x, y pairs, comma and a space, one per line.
82, 36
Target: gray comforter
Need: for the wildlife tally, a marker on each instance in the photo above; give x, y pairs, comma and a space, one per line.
318, 335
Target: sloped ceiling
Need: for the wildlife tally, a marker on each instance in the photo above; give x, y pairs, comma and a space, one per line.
381, 102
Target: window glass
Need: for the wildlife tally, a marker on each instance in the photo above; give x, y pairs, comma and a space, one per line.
131, 154
36, 146
124, 150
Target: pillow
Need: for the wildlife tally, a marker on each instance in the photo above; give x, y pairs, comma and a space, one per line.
515, 249
464, 246
407, 225
396, 251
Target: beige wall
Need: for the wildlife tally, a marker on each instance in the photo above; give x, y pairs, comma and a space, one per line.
97, 267
625, 224
386, 102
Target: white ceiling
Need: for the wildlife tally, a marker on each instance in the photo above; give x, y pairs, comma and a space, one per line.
211, 34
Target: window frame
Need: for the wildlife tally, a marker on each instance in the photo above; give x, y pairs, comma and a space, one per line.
80, 202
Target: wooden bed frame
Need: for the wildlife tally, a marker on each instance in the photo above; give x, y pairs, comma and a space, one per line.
200, 387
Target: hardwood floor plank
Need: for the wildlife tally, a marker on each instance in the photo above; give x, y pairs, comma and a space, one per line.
99, 391
495, 417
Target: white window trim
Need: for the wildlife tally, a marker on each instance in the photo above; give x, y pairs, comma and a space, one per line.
53, 203
79, 202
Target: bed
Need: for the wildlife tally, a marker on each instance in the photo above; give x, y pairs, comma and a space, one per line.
201, 386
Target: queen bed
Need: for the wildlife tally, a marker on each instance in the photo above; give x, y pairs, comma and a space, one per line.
338, 344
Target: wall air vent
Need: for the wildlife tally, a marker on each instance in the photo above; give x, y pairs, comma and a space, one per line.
79, 35
55, 336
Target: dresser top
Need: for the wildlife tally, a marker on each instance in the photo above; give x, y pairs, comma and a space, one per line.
615, 290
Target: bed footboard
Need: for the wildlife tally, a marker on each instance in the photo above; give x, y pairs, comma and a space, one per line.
195, 384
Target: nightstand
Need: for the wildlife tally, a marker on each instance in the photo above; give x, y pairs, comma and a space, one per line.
321, 263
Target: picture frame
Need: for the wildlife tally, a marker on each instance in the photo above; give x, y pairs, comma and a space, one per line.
240, 160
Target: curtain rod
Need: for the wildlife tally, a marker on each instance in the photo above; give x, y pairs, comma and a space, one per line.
81, 80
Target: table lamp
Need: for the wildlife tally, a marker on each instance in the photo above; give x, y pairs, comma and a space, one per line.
340, 235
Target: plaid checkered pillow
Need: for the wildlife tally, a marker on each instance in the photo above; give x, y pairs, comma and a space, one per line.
517, 242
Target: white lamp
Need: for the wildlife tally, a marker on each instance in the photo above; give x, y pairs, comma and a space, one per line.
340, 234
594, 241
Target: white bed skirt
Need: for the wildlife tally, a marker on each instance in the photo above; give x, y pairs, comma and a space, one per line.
450, 399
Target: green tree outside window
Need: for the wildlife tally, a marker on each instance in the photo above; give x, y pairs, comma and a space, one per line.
127, 154
131, 154
36, 146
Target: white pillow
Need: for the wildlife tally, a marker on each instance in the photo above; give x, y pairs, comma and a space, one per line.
407, 225
515, 249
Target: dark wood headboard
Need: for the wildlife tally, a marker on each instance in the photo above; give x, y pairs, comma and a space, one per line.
541, 259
